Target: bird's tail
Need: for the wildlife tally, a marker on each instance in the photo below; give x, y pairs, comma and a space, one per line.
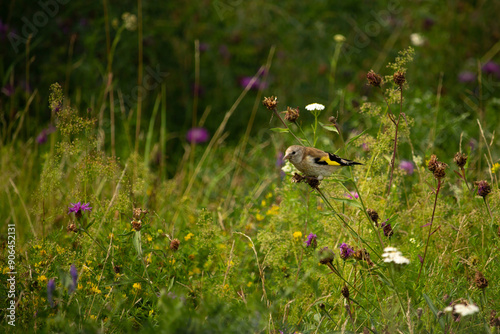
350, 162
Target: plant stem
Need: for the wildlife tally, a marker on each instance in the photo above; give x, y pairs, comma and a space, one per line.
430, 229
395, 139
286, 126
488, 207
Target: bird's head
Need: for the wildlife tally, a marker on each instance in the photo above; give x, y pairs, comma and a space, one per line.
294, 153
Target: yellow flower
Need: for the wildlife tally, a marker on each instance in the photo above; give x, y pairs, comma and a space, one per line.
221, 246
59, 250
6, 270
226, 288
160, 231
149, 258
42, 279
495, 168
196, 271
171, 261
151, 312
137, 286
259, 217
297, 235
93, 317
188, 236
263, 203
249, 284
79, 286
273, 210
149, 238
95, 289
269, 195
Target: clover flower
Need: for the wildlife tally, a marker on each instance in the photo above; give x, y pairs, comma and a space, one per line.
78, 209
311, 240
391, 254
197, 135
345, 251
352, 195
74, 276
483, 188
51, 287
407, 166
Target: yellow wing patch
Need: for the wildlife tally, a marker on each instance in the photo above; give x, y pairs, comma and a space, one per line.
329, 161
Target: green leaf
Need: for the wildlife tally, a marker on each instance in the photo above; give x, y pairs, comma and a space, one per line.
350, 202
354, 138
136, 240
434, 310
329, 127
281, 130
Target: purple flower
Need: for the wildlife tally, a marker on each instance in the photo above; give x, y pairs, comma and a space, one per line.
311, 240
224, 52
204, 47
345, 251
466, 76
245, 81
8, 90
74, 277
421, 259
78, 208
197, 135
51, 287
407, 166
42, 137
491, 68
352, 195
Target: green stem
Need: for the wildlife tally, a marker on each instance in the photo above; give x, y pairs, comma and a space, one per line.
430, 230
286, 126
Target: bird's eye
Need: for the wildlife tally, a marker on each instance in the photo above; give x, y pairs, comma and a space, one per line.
293, 152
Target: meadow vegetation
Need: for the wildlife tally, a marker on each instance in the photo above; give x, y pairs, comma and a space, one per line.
148, 192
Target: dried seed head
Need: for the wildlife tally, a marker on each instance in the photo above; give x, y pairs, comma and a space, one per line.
419, 312
440, 170
174, 244
388, 232
494, 321
296, 178
362, 254
270, 103
136, 224
374, 79
460, 159
432, 163
332, 119
117, 269
345, 292
325, 255
292, 114
483, 188
313, 182
399, 78
373, 215
480, 280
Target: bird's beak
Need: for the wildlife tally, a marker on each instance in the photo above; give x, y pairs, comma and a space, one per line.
286, 157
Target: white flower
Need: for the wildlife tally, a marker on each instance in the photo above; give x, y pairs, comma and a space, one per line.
417, 39
315, 106
391, 254
462, 309
289, 168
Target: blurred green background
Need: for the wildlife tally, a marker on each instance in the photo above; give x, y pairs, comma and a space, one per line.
79, 43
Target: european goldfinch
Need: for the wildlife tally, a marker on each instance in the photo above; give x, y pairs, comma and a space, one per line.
314, 162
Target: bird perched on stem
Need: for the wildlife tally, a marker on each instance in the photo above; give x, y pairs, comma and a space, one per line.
314, 162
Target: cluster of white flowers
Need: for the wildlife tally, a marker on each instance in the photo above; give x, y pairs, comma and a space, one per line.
417, 39
288, 168
391, 254
315, 106
462, 309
